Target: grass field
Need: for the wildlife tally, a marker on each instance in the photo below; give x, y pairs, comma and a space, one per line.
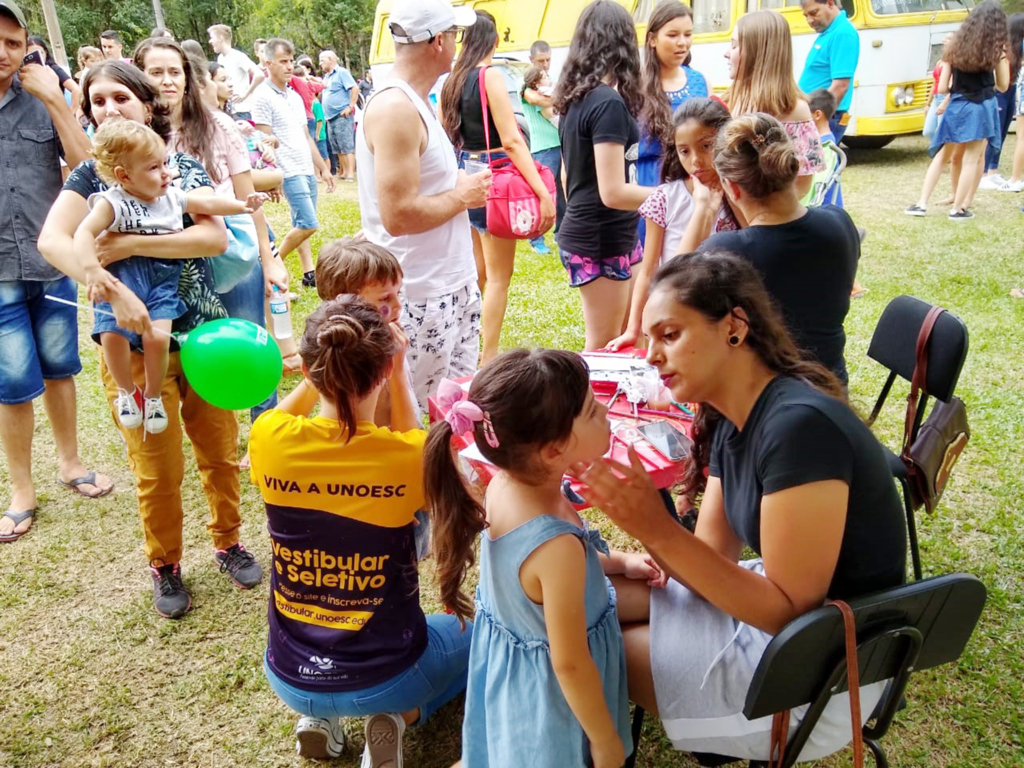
91, 676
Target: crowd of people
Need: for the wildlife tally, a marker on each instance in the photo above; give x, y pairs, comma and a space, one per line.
710, 230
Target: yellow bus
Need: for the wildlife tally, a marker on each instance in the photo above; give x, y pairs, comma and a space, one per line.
900, 41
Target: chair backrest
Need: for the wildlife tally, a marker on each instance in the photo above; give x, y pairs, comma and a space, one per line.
894, 345
798, 660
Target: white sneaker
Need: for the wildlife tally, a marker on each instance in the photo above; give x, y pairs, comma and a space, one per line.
383, 741
156, 417
129, 408
319, 738
991, 182
1013, 186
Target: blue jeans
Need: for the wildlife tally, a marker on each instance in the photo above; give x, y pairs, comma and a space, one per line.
437, 677
301, 193
834, 124
38, 337
1007, 111
245, 301
552, 158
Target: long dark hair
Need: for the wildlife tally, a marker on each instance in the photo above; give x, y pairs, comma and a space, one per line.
710, 113
479, 43
197, 124
532, 398
347, 348
1015, 25
656, 112
980, 41
716, 284
604, 44
131, 78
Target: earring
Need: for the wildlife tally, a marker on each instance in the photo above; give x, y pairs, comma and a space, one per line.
734, 340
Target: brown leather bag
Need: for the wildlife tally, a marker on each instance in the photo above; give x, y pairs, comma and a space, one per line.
931, 453
780, 721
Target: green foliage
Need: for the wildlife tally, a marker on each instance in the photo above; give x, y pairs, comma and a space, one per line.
344, 25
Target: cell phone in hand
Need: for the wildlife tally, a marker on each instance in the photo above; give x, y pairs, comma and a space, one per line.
671, 443
33, 58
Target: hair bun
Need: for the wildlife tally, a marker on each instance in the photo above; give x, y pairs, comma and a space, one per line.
340, 332
778, 161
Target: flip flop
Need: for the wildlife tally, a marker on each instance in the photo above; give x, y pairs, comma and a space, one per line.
89, 479
18, 518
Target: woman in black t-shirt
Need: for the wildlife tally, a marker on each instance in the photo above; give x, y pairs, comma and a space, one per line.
598, 96
793, 474
462, 115
807, 257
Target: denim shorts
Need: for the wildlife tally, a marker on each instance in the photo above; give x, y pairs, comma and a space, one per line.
478, 216
38, 337
437, 677
301, 192
155, 282
341, 134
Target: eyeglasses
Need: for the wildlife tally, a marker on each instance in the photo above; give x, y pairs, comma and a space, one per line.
458, 32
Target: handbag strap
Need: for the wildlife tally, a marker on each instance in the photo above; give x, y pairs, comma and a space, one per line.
918, 381
852, 679
481, 81
780, 720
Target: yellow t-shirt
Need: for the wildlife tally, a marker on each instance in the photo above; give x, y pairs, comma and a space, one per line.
345, 611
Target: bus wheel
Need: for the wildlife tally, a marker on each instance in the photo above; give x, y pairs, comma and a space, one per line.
867, 142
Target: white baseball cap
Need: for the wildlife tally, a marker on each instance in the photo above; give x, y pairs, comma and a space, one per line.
423, 19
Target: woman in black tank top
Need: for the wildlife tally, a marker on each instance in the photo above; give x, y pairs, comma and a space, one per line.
978, 67
462, 116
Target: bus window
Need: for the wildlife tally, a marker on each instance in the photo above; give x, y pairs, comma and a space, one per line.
712, 16
889, 7
847, 5
560, 18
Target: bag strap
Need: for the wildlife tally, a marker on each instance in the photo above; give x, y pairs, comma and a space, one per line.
918, 381
852, 679
481, 81
780, 720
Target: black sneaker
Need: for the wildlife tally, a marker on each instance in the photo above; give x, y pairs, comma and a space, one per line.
915, 210
964, 215
309, 280
170, 598
240, 565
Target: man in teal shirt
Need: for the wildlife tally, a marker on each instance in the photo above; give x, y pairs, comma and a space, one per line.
832, 60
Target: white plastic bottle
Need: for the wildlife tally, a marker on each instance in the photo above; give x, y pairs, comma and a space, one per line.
280, 315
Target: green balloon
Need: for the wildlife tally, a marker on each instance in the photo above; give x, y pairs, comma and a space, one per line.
231, 363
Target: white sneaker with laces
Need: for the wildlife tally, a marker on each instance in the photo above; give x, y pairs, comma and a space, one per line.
1012, 186
127, 404
156, 417
383, 741
991, 182
319, 738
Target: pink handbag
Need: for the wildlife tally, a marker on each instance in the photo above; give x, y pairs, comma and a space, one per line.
513, 209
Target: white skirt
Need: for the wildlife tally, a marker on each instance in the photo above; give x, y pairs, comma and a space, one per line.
703, 661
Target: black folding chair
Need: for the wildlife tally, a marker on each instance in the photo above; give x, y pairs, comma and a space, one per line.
899, 631
894, 345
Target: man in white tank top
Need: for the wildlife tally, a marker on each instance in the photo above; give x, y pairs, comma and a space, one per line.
413, 198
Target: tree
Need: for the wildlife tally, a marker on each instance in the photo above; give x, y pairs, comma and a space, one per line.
311, 25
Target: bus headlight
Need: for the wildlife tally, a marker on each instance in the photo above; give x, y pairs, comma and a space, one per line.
901, 96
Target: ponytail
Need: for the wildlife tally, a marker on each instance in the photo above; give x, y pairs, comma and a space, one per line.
457, 518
